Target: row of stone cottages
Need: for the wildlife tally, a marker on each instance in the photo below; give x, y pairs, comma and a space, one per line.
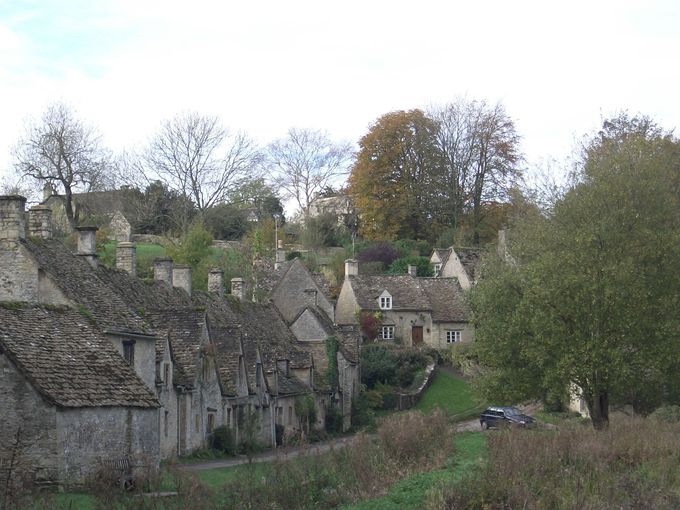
99, 368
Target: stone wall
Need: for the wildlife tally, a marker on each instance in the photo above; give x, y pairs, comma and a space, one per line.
89, 437
23, 409
307, 328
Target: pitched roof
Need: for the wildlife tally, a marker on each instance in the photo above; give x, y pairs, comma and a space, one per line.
443, 254
404, 289
67, 360
446, 298
82, 284
470, 258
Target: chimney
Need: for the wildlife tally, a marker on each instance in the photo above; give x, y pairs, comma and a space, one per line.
280, 255
216, 281
412, 270
238, 288
351, 267
181, 277
40, 222
12, 218
162, 270
87, 244
126, 257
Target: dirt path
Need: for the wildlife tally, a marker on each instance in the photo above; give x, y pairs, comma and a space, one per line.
280, 454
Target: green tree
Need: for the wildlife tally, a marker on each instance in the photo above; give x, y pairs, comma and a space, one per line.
590, 297
391, 181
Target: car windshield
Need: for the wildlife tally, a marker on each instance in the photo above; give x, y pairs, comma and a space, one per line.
512, 411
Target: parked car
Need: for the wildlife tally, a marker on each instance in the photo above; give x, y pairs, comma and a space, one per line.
500, 416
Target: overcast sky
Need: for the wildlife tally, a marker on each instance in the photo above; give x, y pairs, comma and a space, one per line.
264, 66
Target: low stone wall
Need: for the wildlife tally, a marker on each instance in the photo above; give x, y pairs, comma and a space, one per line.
152, 239
408, 400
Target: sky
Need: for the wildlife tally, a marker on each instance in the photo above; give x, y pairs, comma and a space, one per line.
265, 66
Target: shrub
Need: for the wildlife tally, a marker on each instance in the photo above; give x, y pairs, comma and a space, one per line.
377, 365
423, 266
379, 252
668, 414
411, 438
370, 325
223, 440
408, 362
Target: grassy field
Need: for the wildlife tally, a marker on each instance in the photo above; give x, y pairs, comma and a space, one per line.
452, 395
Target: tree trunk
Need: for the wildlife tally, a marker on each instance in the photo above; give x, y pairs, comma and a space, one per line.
598, 406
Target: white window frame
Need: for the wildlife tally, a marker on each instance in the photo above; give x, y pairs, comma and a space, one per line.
385, 302
437, 269
454, 336
387, 333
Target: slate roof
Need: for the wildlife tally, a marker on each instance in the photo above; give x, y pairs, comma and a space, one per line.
471, 259
82, 285
67, 360
184, 326
443, 254
405, 291
260, 326
446, 298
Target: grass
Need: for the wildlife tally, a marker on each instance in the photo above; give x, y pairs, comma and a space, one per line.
410, 493
452, 395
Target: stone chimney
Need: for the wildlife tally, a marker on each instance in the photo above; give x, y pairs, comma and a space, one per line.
87, 244
48, 191
280, 255
126, 257
412, 270
40, 222
12, 218
216, 281
181, 277
351, 267
162, 270
238, 288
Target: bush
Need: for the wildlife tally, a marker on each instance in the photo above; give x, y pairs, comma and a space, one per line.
412, 248
223, 440
668, 414
382, 252
423, 266
377, 365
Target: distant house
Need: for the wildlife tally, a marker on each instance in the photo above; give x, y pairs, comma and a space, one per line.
413, 311
339, 205
104, 207
460, 263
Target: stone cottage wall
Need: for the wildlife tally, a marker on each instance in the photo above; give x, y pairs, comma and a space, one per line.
22, 407
89, 437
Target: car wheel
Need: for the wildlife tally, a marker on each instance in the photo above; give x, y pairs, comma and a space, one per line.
485, 425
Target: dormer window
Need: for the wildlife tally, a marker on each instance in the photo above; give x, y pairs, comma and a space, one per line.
437, 269
385, 301
129, 352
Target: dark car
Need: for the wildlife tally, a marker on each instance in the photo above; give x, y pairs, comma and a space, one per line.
500, 416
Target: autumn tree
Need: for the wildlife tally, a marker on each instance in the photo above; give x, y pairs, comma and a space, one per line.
392, 181
195, 156
62, 152
589, 299
306, 162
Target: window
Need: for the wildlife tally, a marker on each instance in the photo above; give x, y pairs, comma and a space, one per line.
437, 269
387, 332
290, 415
166, 374
211, 423
197, 423
453, 336
385, 302
129, 352
165, 424
279, 415
229, 424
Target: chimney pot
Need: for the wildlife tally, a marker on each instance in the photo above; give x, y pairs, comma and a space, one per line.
216, 281
351, 267
12, 217
181, 277
87, 244
162, 270
126, 257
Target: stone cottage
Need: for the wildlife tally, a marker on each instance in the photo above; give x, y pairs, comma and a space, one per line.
413, 311
461, 263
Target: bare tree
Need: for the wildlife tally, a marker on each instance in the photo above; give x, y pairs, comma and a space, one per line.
481, 153
305, 162
64, 153
195, 156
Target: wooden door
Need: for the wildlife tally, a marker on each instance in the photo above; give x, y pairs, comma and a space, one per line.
416, 335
